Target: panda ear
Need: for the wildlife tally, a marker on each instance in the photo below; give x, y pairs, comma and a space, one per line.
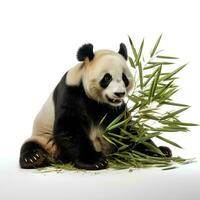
123, 51
85, 51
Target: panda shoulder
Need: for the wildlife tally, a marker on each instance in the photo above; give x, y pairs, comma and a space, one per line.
74, 75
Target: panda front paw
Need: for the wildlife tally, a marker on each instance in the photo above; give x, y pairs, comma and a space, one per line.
102, 163
32, 156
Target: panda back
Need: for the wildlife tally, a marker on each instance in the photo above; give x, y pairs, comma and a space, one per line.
43, 123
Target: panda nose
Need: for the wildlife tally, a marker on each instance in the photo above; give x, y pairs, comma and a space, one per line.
119, 94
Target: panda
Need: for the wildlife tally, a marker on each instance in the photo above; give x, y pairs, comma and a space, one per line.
68, 128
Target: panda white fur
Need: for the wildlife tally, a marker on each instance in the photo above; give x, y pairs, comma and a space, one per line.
67, 128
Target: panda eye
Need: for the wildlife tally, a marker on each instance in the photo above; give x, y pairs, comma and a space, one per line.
124, 78
107, 77
106, 80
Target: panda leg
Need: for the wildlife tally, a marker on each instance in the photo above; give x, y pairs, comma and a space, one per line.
32, 155
78, 149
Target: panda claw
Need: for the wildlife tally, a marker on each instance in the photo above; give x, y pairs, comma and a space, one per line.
37, 155
35, 158
26, 160
97, 166
31, 160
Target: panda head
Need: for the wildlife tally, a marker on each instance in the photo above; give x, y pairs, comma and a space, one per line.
106, 77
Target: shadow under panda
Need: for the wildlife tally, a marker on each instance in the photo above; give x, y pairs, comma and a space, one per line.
67, 128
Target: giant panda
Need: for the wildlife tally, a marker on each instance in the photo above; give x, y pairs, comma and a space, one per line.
68, 128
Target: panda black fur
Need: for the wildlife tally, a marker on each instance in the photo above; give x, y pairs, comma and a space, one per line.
68, 129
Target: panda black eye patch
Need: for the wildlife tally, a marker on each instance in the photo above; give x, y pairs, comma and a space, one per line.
105, 81
124, 78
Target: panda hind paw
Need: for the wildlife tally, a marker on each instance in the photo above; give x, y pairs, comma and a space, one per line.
166, 151
102, 163
36, 159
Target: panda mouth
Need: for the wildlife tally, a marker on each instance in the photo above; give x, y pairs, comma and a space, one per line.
115, 101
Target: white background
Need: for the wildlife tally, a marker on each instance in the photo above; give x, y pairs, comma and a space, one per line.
38, 44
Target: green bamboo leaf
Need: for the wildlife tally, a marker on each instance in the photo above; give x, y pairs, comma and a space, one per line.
154, 84
117, 124
133, 137
153, 117
122, 148
140, 75
122, 162
140, 52
151, 66
116, 135
174, 104
116, 120
119, 142
133, 48
168, 94
149, 161
131, 62
110, 141
151, 76
137, 105
153, 148
167, 57
172, 73
149, 136
169, 141
134, 98
163, 90
161, 63
172, 114
179, 123
103, 119
155, 46
187, 124
171, 129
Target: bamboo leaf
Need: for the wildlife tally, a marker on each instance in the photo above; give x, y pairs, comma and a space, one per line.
133, 137
140, 75
118, 136
168, 94
149, 136
169, 141
163, 89
110, 141
179, 123
116, 120
122, 148
102, 119
167, 57
172, 73
171, 129
140, 52
174, 104
161, 63
171, 114
154, 84
133, 48
131, 62
155, 46
134, 98
153, 148
117, 124
153, 117
151, 76
151, 66
119, 142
